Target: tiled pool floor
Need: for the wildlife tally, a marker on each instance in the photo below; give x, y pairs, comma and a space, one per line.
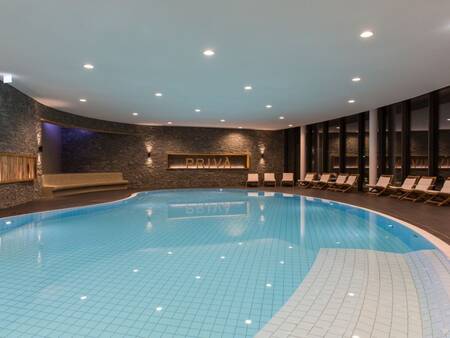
363, 293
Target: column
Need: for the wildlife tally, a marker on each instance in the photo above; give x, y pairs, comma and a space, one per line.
373, 146
302, 152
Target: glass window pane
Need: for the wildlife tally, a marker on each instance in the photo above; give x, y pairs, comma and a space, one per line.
444, 133
333, 151
419, 136
351, 145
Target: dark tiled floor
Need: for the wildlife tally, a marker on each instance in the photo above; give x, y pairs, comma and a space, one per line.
435, 220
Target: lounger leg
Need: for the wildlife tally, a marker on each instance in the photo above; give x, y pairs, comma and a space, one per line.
444, 202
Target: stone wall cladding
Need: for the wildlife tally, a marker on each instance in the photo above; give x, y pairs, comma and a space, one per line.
94, 152
111, 146
19, 130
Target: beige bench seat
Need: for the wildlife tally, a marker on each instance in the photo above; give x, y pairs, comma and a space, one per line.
70, 184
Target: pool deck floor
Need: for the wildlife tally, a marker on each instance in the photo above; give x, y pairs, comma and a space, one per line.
433, 219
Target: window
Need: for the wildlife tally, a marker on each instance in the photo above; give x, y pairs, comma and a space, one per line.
444, 133
394, 141
419, 136
351, 145
333, 146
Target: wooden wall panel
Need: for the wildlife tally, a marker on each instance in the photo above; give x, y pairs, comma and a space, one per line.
17, 168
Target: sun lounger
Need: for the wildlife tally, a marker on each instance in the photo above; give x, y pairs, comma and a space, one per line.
440, 197
269, 179
323, 182
287, 179
418, 192
408, 183
339, 180
350, 183
308, 181
252, 179
384, 181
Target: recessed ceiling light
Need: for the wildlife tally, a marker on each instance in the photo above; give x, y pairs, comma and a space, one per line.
169, 122
351, 101
248, 88
366, 34
88, 66
135, 114
209, 52
281, 117
448, 119
222, 120
290, 125
239, 127
197, 110
268, 106
83, 100
158, 94
356, 79
7, 78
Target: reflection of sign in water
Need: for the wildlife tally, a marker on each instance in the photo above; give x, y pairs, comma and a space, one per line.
212, 209
208, 161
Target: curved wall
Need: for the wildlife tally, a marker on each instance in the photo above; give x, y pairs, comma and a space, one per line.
101, 146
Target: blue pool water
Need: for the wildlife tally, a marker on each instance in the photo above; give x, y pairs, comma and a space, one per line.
186, 263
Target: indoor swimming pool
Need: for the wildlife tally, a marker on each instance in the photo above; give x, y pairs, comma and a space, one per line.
181, 263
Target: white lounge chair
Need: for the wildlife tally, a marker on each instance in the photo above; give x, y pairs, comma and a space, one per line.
349, 184
269, 179
287, 179
399, 191
323, 182
339, 180
252, 179
439, 197
308, 180
382, 185
419, 191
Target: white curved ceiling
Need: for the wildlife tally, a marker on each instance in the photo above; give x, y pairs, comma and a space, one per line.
299, 56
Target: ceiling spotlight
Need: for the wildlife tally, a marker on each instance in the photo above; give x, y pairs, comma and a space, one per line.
135, 114
209, 52
158, 94
88, 66
222, 121
281, 117
366, 34
356, 79
169, 122
290, 125
197, 110
248, 88
83, 100
268, 106
351, 101
7, 78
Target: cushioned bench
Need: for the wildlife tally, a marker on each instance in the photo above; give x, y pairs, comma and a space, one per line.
71, 184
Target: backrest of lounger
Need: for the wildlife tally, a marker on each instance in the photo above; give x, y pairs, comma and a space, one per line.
409, 182
446, 186
288, 177
269, 177
309, 177
384, 181
351, 179
325, 178
341, 179
252, 178
425, 183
